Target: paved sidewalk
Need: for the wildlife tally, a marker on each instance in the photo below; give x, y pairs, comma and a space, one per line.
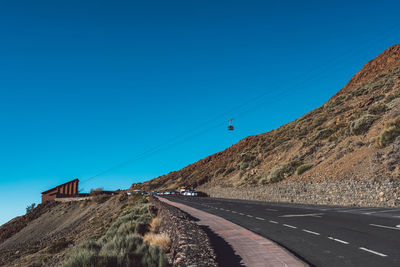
255, 250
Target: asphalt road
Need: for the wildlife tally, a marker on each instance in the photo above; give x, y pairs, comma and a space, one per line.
319, 235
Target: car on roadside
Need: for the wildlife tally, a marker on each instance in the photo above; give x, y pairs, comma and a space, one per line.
190, 193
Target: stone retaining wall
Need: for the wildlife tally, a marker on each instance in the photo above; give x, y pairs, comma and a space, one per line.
371, 193
190, 245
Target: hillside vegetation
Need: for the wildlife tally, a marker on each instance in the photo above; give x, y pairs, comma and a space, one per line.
352, 138
102, 231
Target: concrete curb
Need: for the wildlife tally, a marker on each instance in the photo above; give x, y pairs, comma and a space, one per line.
255, 250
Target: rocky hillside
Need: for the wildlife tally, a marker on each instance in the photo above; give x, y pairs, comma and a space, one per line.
105, 231
352, 137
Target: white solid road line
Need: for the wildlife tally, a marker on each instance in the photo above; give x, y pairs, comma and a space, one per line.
273, 222
261, 219
310, 232
384, 226
338, 240
290, 226
373, 252
381, 211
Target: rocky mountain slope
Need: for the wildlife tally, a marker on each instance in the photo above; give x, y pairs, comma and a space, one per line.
349, 142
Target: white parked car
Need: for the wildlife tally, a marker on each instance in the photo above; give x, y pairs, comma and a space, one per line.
190, 193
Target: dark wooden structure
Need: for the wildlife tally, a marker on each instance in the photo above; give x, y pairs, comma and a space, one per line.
68, 189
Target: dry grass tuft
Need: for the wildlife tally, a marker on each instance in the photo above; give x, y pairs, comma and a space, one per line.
161, 240
155, 224
390, 133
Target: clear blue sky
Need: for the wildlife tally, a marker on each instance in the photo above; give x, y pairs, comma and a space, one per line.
86, 85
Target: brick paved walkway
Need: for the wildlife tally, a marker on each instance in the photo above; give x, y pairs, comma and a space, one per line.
255, 250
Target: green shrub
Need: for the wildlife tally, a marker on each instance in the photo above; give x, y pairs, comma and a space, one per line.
377, 109
389, 134
393, 103
362, 125
154, 256
392, 96
280, 172
122, 245
30, 208
219, 171
303, 168
378, 97
229, 170
82, 257
244, 165
323, 134
359, 91
90, 245
247, 157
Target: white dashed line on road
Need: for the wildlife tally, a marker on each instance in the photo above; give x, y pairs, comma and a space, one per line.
261, 219
273, 222
241, 213
290, 226
249, 216
381, 211
234, 211
271, 209
388, 227
310, 232
373, 252
338, 240
356, 209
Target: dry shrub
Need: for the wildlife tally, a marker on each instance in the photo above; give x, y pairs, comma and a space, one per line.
162, 240
377, 109
100, 198
155, 224
280, 172
363, 124
96, 191
323, 134
303, 168
389, 134
58, 245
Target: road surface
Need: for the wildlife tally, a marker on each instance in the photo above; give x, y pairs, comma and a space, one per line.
319, 235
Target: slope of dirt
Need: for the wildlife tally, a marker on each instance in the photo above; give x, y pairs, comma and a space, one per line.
18, 223
339, 141
61, 225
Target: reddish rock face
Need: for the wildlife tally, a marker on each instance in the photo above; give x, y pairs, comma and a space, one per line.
384, 62
65, 190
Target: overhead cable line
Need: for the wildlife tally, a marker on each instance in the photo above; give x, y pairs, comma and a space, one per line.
320, 68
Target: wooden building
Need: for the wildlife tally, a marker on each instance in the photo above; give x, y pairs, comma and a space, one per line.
68, 189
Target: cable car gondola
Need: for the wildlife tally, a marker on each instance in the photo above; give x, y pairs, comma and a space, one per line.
230, 126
